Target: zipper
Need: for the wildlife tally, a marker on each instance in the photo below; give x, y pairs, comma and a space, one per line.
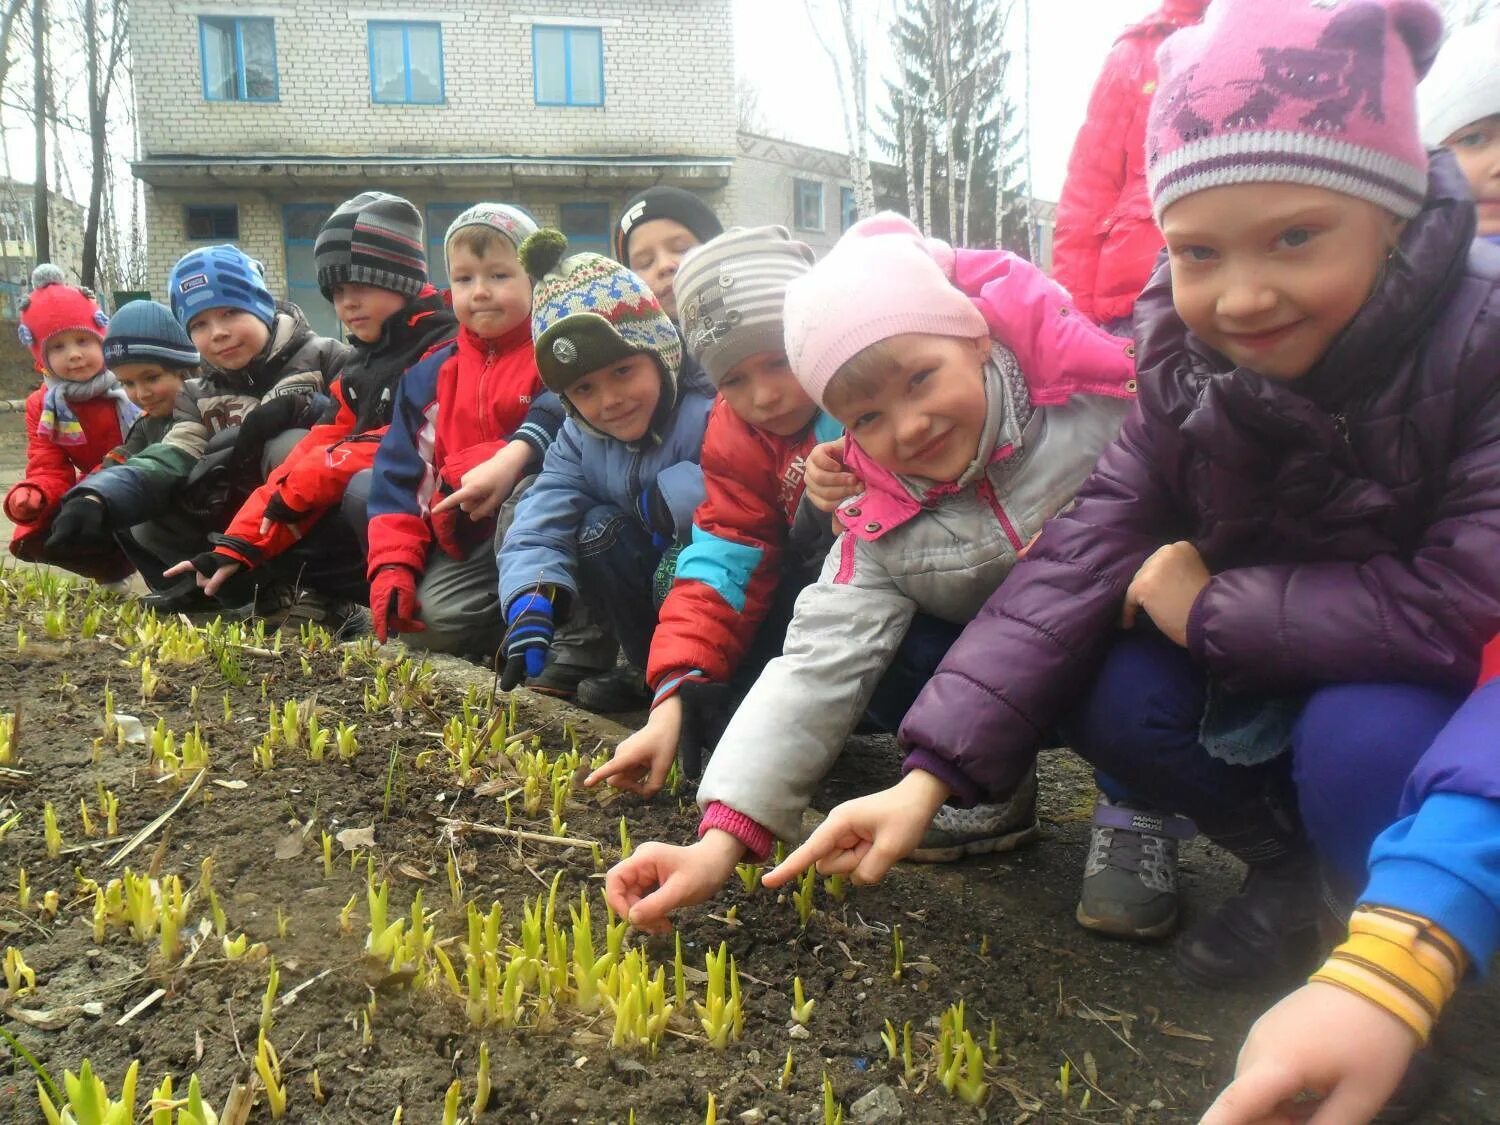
987, 490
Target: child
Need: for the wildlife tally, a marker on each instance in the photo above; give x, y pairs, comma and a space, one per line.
1305, 505
1460, 107
1429, 913
151, 356
620, 483
372, 265
752, 538
449, 436
657, 227
78, 414
976, 402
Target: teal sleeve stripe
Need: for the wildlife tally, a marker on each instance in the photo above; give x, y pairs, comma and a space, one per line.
723, 566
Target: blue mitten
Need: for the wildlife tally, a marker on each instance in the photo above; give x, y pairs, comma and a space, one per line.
528, 637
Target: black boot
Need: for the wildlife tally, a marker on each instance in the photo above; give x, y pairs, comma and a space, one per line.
623, 688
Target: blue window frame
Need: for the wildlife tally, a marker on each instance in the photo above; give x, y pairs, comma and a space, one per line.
300, 225
239, 59
587, 227
212, 222
567, 65
440, 217
406, 63
848, 208
807, 205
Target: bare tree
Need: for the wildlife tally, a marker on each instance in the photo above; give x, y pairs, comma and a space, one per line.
102, 61
752, 117
42, 239
853, 93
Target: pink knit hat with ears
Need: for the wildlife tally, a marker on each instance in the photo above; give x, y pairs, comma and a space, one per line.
1317, 92
882, 279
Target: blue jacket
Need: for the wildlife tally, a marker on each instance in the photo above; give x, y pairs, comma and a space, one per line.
584, 470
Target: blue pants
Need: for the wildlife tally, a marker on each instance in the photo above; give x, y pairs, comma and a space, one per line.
1353, 748
617, 578
927, 641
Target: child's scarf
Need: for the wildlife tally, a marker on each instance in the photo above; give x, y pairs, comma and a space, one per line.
58, 422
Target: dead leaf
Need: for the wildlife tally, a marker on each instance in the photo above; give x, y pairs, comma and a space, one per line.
290, 846
1183, 1033
234, 784
351, 838
406, 869
697, 976
53, 1019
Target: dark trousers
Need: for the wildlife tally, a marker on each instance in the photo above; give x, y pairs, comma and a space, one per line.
617, 565
1352, 748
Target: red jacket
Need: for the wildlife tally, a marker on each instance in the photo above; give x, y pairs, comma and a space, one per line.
1106, 241
446, 422
727, 575
56, 468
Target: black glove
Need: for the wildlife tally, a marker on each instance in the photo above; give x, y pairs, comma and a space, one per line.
705, 713
82, 523
272, 417
279, 511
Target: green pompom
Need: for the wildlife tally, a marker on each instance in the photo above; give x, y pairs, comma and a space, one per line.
541, 251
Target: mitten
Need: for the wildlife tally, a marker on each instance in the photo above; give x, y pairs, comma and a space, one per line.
393, 601
24, 503
82, 523
272, 417
528, 637
705, 713
279, 511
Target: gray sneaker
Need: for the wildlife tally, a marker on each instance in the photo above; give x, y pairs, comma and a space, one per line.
1130, 879
955, 833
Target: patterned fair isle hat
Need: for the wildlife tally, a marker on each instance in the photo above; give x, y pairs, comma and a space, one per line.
588, 311
373, 239
1315, 92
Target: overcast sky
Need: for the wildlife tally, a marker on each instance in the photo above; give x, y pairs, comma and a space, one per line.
779, 57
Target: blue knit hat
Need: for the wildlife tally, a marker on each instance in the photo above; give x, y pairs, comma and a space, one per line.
146, 332
219, 277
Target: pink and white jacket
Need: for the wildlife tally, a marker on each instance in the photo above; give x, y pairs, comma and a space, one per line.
1056, 390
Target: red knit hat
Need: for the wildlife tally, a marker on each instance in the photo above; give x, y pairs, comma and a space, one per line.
54, 306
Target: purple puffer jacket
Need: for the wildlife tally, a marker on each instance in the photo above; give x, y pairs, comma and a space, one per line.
1352, 524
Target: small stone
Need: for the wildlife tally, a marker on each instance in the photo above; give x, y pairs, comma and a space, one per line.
753, 1057
799, 1032
752, 1116
878, 1106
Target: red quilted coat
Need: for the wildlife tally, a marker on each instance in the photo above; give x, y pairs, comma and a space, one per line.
1106, 240
55, 468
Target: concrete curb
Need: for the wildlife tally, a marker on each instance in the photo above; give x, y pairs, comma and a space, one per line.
12, 405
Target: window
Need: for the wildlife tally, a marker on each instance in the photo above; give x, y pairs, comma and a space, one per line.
440, 217
848, 208
239, 59
587, 227
301, 223
212, 223
567, 65
406, 63
807, 204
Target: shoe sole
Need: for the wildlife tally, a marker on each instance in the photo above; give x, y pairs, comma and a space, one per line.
1113, 927
989, 845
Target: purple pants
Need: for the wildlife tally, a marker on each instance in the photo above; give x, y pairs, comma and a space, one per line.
1353, 748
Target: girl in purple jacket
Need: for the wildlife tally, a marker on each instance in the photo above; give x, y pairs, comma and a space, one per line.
1274, 590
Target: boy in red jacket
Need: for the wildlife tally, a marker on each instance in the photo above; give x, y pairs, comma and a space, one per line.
77, 416
457, 447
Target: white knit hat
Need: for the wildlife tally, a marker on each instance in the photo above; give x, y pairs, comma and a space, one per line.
1464, 84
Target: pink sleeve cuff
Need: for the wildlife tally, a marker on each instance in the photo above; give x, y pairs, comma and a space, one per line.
751, 833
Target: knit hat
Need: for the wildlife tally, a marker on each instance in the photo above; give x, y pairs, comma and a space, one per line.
730, 292
1464, 84
664, 202
146, 332
373, 239
510, 223
54, 306
1316, 92
588, 312
219, 277
881, 279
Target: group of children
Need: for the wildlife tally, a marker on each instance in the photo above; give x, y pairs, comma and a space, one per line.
1243, 562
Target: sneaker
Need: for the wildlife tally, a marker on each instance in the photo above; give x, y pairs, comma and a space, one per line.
622, 688
1129, 885
561, 679
982, 829
1268, 931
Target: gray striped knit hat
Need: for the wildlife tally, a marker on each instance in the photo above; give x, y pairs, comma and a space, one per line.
373, 239
730, 292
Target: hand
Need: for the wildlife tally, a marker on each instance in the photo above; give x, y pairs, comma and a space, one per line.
1166, 587
81, 523
393, 602
25, 502
659, 878
528, 637
864, 837
827, 482
272, 417
488, 484
641, 762
279, 511
213, 570
1324, 1039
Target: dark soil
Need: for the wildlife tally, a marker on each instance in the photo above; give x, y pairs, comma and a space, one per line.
996, 933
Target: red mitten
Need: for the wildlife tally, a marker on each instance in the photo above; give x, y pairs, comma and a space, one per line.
24, 503
393, 602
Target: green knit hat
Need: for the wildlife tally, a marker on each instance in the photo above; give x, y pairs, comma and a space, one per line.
587, 312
